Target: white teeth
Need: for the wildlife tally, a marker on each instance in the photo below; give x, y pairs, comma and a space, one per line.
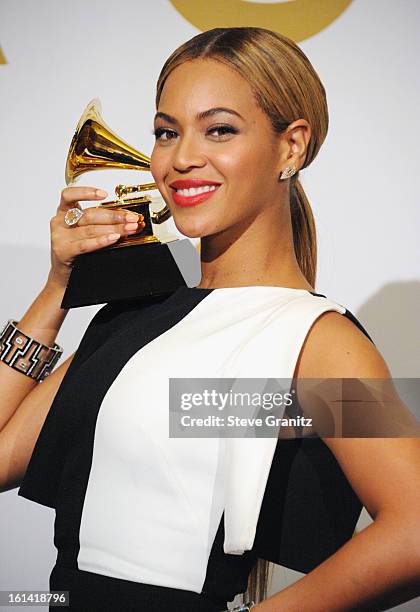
192, 191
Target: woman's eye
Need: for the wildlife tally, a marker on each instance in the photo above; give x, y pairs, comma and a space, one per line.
218, 131
222, 130
164, 134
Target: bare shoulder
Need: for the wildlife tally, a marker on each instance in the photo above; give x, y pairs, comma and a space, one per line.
335, 347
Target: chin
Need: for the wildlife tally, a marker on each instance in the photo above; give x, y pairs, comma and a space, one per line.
192, 229
190, 232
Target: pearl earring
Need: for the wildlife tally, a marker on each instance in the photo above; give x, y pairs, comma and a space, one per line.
287, 173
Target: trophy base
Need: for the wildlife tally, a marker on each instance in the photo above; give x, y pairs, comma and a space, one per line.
120, 274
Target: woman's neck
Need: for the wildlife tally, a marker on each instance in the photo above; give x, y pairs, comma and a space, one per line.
256, 255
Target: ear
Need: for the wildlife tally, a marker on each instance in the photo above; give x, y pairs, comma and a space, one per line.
295, 140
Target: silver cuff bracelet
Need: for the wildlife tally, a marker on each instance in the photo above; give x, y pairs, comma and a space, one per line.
245, 607
26, 355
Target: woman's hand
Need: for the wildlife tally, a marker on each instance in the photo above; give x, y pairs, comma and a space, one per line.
97, 228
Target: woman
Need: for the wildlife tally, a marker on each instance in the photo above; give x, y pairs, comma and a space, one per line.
139, 516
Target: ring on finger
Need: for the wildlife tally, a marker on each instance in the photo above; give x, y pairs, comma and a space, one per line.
73, 216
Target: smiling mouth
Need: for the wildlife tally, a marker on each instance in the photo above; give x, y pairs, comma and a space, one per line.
193, 195
193, 191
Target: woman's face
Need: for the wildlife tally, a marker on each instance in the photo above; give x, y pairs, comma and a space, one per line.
216, 159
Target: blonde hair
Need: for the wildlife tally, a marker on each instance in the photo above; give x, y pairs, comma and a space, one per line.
287, 88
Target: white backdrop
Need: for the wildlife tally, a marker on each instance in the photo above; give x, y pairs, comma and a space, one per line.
362, 186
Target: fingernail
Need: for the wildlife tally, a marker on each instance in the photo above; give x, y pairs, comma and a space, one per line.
113, 236
100, 193
131, 216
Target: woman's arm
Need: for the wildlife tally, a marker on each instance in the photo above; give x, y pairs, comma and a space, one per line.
24, 403
380, 566
41, 321
18, 438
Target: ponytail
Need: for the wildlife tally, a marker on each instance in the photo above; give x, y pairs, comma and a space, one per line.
304, 231
304, 240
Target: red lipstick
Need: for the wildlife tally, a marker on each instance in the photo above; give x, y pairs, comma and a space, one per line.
191, 199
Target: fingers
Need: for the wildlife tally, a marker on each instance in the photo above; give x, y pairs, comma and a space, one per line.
67, 244
64, 252
93, 231
98, 221
86, 245
105, 216
97, 228
70, 196
95, 215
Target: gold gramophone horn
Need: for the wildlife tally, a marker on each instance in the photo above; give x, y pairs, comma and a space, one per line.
96, 147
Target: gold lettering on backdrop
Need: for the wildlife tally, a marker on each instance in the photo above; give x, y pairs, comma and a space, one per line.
297, 20
2, 57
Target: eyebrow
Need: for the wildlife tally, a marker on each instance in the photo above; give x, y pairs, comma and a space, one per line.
200, 116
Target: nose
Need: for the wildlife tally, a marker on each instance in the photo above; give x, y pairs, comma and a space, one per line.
188, 154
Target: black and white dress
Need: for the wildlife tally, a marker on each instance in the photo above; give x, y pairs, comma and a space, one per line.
145, 520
